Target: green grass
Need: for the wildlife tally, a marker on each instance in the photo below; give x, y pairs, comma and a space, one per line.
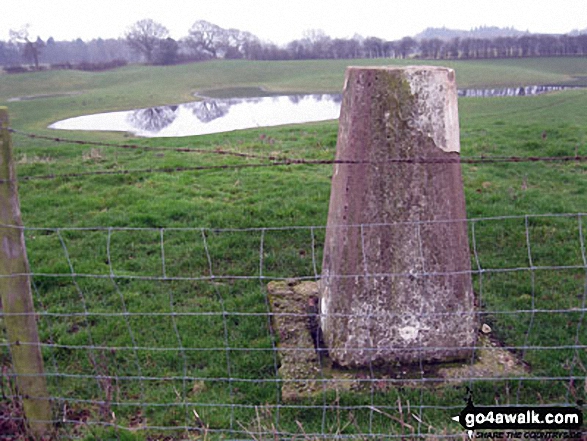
137, 86
275, 197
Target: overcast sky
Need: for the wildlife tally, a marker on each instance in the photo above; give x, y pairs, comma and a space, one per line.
283, 21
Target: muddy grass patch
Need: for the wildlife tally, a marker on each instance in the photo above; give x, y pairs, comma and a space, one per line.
42, 96
306, 370
34, 159
12, 423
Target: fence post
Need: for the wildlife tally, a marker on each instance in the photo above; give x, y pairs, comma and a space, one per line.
17, 300
396, 282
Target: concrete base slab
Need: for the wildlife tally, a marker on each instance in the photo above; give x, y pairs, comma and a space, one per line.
306, 369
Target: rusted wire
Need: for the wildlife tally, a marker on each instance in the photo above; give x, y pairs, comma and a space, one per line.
272, 160
216, 151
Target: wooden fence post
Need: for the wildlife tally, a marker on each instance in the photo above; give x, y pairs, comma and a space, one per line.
17, 300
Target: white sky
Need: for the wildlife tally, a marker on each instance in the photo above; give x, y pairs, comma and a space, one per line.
283, 21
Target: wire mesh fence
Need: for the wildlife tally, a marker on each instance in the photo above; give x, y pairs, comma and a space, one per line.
198, 333
172, 332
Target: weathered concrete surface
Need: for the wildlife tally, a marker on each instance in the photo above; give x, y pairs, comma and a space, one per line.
304, 374
293, 305
396, 282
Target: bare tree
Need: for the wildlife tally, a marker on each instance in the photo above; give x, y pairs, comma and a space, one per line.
406, 45
8, 53
239, 43
298, 50
452, 48
318, 44
31, 49
373, 47
166, 52
145, 36
207, 39
343, 48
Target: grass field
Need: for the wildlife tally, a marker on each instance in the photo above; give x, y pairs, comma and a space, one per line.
236, 389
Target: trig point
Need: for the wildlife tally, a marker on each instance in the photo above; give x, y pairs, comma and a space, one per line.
396, 281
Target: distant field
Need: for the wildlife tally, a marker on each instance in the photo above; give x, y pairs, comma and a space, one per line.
547, 125
140, 86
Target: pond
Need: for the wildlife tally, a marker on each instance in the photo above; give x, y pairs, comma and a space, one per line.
509, 91
224, 115
211, 116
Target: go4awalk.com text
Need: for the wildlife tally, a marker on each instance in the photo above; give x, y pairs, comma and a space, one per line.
521, 422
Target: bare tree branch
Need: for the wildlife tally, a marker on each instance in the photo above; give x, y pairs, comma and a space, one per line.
145, 36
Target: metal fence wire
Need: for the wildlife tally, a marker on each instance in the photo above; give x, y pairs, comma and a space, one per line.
262, 161
202, 333
171, 332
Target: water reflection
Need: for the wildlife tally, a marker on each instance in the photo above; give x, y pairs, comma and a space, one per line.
207, 111
212, 116
223, 115
211, 109
153, 119
509, 91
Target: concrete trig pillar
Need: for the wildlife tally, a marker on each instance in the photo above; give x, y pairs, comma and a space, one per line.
396, 282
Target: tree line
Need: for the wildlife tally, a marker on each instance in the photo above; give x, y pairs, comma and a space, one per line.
149, 41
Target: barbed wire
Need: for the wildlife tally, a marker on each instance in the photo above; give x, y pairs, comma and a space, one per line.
290, 163
160, 170
216, 151
274, 160
284, 160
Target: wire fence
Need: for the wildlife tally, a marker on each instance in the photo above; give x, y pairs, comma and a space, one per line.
266, 160
172, 332
211, 333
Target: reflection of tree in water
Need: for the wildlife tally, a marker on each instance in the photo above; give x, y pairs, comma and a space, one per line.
295, 99
153, 119
336, 98
509, 91
157, 118
209, 110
